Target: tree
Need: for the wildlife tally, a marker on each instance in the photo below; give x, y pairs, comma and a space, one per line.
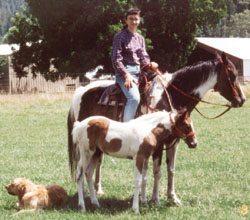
238, 25
234, 24
7, 9
73, 36
172, 26
68, 37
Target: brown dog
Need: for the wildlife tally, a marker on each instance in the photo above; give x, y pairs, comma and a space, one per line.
36, 196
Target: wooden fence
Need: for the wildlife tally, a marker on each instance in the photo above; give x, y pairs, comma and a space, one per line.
10, 83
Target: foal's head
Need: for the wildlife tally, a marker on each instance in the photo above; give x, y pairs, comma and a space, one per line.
183, 128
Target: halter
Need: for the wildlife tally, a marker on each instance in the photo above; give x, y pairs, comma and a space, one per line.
228, 78
182, 135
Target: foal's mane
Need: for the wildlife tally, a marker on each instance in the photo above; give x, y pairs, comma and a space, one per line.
154, 116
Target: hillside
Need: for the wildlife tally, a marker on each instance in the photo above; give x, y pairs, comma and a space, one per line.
7, 9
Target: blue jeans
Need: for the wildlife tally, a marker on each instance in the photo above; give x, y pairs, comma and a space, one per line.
132, 94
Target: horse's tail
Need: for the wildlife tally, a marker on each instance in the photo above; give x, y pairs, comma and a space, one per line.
75, 132
71, 144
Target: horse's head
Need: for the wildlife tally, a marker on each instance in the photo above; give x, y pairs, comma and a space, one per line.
150, 70
228, 83
184, 129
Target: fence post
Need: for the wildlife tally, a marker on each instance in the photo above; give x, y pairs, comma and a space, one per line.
9, 74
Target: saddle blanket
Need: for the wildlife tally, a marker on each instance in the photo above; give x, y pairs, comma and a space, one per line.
111, 95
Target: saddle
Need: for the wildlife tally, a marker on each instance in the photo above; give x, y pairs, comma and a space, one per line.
114, 97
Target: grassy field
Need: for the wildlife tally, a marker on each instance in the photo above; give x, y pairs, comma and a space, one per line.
213, 181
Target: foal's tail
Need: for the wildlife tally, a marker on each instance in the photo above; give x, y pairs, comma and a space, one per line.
71, 145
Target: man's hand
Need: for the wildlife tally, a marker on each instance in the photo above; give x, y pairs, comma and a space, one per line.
154, 65
129, 81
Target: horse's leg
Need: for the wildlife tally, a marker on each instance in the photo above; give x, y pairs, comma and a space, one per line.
98, 186
157, 156
171, 156
144, 183
81, 169
137, 183
89, 176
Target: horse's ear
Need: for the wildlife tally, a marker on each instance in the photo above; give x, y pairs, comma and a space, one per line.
217, 55
182, 114
182, 111
224, 58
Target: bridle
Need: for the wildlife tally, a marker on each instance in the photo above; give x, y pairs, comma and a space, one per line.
179, 131
226, 67
157, 72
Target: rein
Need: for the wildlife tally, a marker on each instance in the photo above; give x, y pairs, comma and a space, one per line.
195, 98
228, 78
187, 95
182, 135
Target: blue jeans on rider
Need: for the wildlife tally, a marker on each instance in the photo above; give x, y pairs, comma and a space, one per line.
132, 94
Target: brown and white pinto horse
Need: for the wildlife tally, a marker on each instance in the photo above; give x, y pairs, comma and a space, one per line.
219, 74
136, 139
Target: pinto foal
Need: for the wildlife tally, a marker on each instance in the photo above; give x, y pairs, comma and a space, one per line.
136, 139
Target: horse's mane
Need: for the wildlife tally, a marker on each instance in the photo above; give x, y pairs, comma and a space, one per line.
198, 71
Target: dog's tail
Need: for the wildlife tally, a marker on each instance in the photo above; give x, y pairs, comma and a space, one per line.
24, 211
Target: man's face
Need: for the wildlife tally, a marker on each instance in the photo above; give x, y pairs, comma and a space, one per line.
133, 21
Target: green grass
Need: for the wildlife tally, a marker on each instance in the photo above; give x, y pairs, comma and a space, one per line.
213, 181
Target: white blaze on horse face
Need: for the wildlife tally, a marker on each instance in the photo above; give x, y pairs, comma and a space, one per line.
79, 92
194, 137
203, 88
242, 93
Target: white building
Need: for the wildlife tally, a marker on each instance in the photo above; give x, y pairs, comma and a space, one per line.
237, 49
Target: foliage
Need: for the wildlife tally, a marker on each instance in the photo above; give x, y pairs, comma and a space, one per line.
3, 63
234, 24
211, 180
238, 25
238, 20
75, 36
172, 27
7, 9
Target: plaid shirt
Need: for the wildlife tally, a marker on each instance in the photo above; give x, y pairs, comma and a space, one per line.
128, 49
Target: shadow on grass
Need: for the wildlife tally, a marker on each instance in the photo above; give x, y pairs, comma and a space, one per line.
113, 205
109, 206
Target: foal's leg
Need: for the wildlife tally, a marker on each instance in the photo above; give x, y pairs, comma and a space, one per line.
137, 182
144, 183
89, 176
98, 186
171, 156
81, 169
157, 156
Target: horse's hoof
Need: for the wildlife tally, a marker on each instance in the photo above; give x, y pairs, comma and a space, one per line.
156, 202
96, 205
144, 203
100, 192
83, 209
136, 211
175, 200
